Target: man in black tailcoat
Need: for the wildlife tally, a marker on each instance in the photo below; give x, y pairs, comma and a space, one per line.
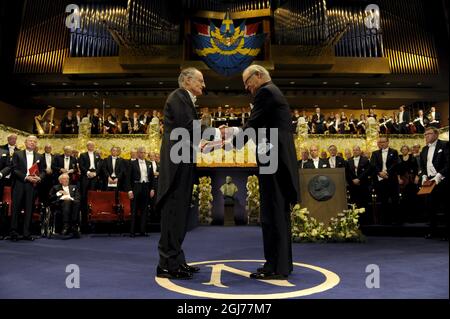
24, 186
278, 172
176, 178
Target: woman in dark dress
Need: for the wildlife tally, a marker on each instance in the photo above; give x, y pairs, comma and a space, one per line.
408, 180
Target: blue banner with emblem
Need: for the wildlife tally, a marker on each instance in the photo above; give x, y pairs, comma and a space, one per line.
227, 49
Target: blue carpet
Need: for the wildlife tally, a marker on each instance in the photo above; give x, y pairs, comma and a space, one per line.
123, 267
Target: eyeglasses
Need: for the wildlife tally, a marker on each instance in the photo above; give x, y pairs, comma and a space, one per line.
246, 81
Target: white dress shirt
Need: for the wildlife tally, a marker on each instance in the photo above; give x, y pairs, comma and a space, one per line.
48, 160
356, 163
66, 162
155, 167
30, 158
332, 161
11, 152
384, 154
91, 160
143, 167
431, 170
193, 97
316, 162
113, 160
400, 117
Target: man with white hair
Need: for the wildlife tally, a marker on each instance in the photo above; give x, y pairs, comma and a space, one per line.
48, 180
90, 167
24, 185
139, 185
8, 149
67, 198
278, 189
176, 179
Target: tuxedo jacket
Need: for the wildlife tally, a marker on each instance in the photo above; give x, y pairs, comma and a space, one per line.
440, 159
135, 174
5, 149
85, 164
68, 126
73, 190
5, 165
58, 163
340, 162
19, 166
119, 169
376, 161
361, 172
323, 163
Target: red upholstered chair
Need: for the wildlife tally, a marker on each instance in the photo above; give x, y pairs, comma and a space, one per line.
125, 205
103, 207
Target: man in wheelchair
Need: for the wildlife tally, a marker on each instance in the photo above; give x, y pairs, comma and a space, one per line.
66, 198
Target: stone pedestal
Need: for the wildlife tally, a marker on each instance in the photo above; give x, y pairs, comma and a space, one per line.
228, 216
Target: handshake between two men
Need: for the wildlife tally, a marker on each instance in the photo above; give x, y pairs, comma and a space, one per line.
222, 139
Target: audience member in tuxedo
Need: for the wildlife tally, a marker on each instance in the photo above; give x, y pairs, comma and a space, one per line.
408, 180
295, 118
77, 119
358, 174
68, 124
421, 122
66, 197
434, 163
384, 163
332, 124
136, 126
114, 172
415, 152
140, 191
48, 180
24, 188
403, 120
334, 160
361, 125
219, 115
304, 159
89, 163
316, 162
5, 170
154, 160
96, 123
383, 124
66, 164
9, 149
145, 119
318, 120
126, 123
434, 118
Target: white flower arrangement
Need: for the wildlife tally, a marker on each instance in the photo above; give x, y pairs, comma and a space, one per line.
344, 227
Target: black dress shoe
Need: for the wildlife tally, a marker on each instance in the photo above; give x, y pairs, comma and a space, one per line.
30, 238
267, 276
132, 235
191, 269
263, 270
177, 274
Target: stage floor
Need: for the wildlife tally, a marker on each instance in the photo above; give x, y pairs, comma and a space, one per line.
123, 267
